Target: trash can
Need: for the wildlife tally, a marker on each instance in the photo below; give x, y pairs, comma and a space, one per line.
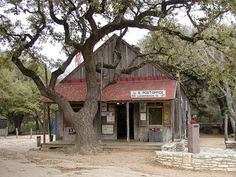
38, 141
155, 135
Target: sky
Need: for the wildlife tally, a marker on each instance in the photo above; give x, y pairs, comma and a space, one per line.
133, 36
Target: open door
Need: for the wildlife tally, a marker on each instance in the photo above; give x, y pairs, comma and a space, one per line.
122, 122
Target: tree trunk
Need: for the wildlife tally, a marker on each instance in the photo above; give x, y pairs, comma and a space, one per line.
231, 107
36, 118
17, 120
232, 122
86, 138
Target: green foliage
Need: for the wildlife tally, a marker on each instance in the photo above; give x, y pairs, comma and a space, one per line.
27, 125
18, 94
204, 65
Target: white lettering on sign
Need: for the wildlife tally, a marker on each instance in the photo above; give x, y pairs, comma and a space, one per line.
148, 93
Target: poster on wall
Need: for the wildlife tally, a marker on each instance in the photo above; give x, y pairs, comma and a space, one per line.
142, 107
107, 129
104, 107
143, 116
166, 113
111, 108
111, 117
104, 114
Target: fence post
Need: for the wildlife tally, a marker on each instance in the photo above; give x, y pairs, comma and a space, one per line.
6, 132
17, 132
31, 132
38, 141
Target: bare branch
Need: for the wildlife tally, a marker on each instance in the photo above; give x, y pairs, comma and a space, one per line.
89, 16
62, 22
61, 69
222, 89
132, 68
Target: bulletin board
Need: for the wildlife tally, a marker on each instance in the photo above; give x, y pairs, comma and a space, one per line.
108, 119
166, 117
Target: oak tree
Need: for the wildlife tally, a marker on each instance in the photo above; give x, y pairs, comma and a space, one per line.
78, 26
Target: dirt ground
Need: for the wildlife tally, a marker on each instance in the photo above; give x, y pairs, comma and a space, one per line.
20, 158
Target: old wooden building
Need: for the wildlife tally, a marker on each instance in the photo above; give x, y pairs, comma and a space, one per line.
145, 105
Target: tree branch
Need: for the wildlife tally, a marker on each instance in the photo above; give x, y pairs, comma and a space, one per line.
61, 69
27, 45
89, 16
62, 22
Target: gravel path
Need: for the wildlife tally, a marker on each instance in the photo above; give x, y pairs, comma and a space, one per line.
20, 157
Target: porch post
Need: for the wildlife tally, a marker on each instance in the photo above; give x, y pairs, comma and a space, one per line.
172, 116
127, 120
49, 123
44, 123
178, 107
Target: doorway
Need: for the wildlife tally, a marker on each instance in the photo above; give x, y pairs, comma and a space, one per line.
122, 123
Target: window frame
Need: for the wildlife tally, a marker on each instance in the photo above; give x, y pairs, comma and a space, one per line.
162, 116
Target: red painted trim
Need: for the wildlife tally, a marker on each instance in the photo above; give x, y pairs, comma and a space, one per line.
124, 79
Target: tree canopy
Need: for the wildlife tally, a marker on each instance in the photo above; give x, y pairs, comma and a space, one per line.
19, 97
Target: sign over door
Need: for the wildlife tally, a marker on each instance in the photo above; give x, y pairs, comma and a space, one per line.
147, 93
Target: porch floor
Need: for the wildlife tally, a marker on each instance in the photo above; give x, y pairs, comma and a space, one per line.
110, 145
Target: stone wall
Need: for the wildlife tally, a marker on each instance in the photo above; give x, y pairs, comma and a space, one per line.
230, 145
223, 162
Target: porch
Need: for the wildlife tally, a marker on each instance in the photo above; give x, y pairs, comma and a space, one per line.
109, 145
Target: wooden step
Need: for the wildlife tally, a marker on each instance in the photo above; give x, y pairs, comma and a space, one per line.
132, 146
57, 144
108, 145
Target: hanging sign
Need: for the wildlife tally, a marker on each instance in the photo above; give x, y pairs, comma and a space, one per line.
148, 93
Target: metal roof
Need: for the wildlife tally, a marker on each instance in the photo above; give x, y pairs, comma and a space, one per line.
75, 91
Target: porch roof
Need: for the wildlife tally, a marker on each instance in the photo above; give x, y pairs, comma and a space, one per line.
75, 91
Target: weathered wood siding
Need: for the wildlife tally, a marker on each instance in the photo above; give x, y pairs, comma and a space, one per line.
105, 54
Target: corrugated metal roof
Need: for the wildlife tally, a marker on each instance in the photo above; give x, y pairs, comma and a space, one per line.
120, 91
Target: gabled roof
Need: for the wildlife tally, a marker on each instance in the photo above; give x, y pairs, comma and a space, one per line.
114, 37
75, 90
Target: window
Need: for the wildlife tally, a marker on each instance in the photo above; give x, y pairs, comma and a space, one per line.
155, 116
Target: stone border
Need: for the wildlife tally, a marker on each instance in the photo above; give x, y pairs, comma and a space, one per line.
202, 161
230, 145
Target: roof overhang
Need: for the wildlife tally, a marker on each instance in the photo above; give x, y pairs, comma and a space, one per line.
75, 91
